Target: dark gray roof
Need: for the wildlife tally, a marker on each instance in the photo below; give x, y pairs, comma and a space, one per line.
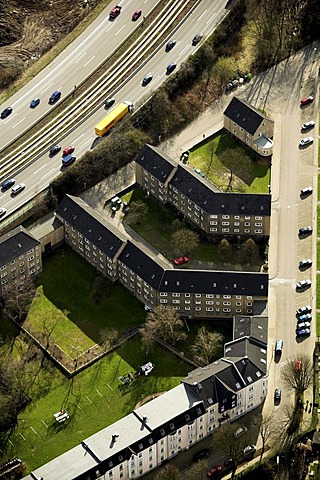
256, 326
17, 242
216, 282
249, 371
244, 115
91, 225
156, 162
141, 264
216, 203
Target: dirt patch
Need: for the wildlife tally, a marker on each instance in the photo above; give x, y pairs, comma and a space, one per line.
29, 28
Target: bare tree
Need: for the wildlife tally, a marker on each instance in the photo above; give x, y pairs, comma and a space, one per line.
17, 299
198, 471
207, 345
169, 472
109, 337
297, 374
184, 241
266, 430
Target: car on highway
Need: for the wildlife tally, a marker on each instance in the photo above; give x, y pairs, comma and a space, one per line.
6, 112
304, 309
306, 317
277, 395
304, 142
18, 188
171, 67
305, 230
3, 211
109, 102
303, 332
54, 150
68, 160
214, 471
306, 191
137, 14
56, 95
249, 449
147, 79
201, 455
170, 45
68, 151
303, 284
197, 38
115, 12
307, 262
34, 103
308, 125
303, 325
7, 183
181, 260
306, 100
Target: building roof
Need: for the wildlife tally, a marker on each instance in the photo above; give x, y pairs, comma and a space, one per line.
15, 243
215, 282
211, 200
255, 326
91, 225
156, 162
142, 264
244, 115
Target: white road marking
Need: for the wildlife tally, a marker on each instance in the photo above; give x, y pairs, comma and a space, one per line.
202, 15
85, 143
78, 138
89, 61
210, 19
120, 30
10, 201
2, 196
84, 53
182, 51
48, 173
46, 88
14, 126
40, 169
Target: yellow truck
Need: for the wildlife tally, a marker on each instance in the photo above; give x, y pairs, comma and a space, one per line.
113, 117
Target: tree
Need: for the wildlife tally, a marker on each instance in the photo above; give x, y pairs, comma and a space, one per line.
225, 250
169, 472
17, 299
225, 70
184, 241
266, 430
138, 210
249, 250
297, 374
109, 337
198, 471
164, 323
206, 345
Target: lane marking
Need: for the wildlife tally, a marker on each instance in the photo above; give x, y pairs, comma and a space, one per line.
14, 126
202, 15
182, 51
48, 173
78, 138
84, 53
120, 30
10, 201
89, 61
211, 18
88, 141
40, 169
46, 88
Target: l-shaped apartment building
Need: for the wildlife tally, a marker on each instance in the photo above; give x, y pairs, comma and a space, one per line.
158, 430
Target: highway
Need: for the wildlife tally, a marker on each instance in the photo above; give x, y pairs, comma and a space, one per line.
39, 174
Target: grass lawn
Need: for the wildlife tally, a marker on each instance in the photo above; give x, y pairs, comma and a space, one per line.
156, 228
318, 292
221, 156
92, 399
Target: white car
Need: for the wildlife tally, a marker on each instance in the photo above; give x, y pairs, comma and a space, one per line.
306, 141
303, 325
3, 211
249, 449
18, 188
308, 125
303, 284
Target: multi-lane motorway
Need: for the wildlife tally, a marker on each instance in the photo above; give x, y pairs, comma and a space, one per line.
40, 172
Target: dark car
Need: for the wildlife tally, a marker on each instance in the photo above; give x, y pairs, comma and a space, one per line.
6, 112
304, 309
303, 332
170, 45
68, 160
306, 141
229, 86
115, 12
54, 149
137, 14
7, 183
277, 395
197, 38
308, 125
306, 100
109, 102
3, 211
171, 67
55, 97
305, 231
147, 79
228, 462
307, 262
34, 103
201, 455
306, 191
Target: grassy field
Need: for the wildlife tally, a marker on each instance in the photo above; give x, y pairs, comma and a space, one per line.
222, 156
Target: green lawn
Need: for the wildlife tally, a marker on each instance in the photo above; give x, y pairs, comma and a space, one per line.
231, 166
318, 292
318, 324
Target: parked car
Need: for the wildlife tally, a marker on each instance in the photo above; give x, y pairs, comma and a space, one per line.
277, 395
214, 470
201, 455
147, 79
18, 188
306, 191
303, 332
304, 142
54, 150
250, 449
6, 112
7, 183
235, 83
170, 45
303, 284
55, 97
68, 160
297, 365
171, 67
109, 102
181, 260
3, 211
197, 38
115, 12
199, 172
306, 100
304, 309
305, 230
228, 462
279, 347
308, 125
68, 151
137, 14
229, 86
303, 325
240, 431
306, 317
34, 103
307, 262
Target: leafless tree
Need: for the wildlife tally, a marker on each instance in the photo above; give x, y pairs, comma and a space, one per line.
198, 471
17, 299
207, 345
267, 429
108, 337
297, 373
169, 472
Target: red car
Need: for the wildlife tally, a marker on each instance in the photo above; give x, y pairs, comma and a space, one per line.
115, 12
180, 260
68, 151
306, 100
137, 14
214, 470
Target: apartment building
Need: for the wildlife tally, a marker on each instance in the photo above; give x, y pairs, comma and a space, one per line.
20, 258
218, 214
249, 125
160, 429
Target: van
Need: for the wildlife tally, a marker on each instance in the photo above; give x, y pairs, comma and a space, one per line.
68, 160
55, 96
279, 346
